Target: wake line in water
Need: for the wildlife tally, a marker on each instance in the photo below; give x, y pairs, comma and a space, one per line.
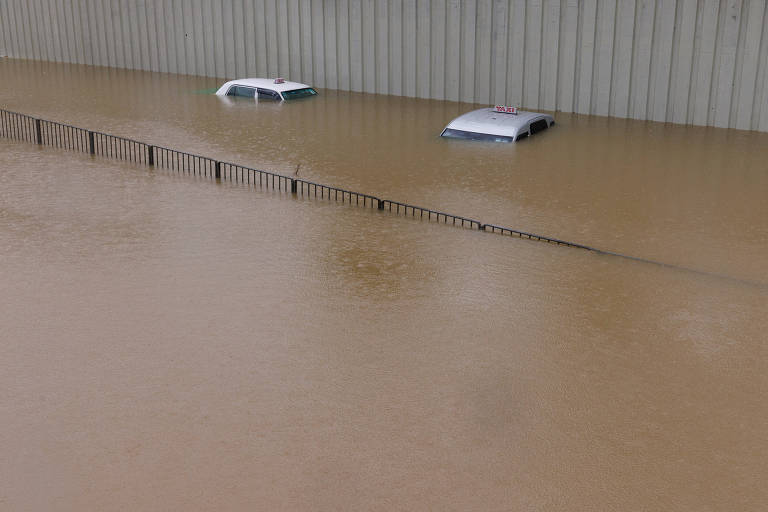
755, 284
17, 126
533, 236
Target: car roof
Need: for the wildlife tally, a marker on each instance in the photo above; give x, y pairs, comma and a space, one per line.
265, 83
488, 120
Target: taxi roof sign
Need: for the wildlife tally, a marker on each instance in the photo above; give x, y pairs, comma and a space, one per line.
279, 80
504, 109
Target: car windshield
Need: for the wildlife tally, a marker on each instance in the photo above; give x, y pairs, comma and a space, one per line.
299, 93
461, 134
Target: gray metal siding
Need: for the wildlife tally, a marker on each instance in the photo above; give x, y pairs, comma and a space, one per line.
701, 62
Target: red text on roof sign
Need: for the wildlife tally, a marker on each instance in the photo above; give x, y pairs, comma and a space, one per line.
505, 109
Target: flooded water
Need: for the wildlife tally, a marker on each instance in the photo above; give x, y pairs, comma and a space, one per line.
168, 343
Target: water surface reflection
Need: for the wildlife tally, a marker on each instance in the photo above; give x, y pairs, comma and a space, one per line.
169, 343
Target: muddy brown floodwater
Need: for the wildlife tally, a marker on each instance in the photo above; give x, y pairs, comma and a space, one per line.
167, 343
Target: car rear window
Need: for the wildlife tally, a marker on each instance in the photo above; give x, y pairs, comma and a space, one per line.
461, 134
299, 93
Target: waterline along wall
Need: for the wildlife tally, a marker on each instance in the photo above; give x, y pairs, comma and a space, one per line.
701, 62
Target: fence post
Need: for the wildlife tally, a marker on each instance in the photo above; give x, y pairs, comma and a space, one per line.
151, 155
380, 204
293, 186
39, 131
218, 170
481, 227
91, 145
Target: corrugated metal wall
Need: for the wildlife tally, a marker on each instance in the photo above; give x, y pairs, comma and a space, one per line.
686, 61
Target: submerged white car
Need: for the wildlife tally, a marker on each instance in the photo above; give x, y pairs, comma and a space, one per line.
497, 124
266, 89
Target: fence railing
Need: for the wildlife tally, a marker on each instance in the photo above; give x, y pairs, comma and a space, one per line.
18, 126
456, 220
23, 127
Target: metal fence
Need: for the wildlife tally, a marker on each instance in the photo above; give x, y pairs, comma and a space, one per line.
456, 220
18, 126
22, 127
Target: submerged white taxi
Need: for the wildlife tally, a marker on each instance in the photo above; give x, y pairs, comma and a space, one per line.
278, 89
497, 124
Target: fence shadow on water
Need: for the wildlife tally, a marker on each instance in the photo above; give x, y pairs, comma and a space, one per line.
22, 127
